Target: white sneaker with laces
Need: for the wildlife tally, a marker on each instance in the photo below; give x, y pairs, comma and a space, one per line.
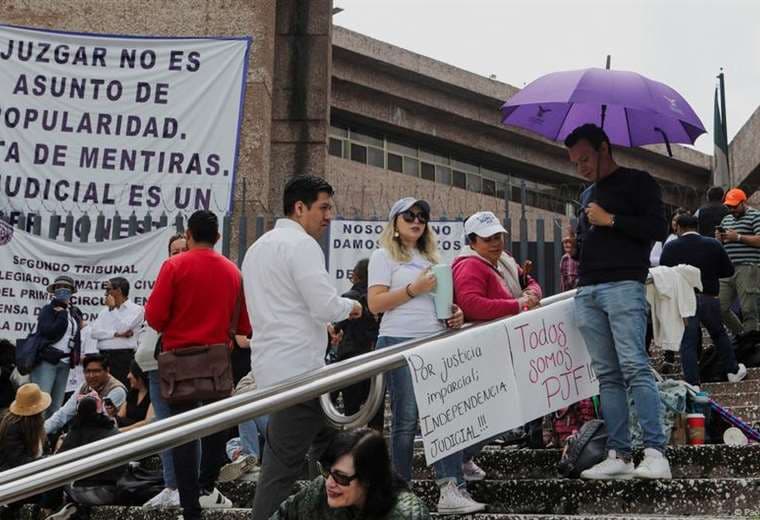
214, 500
453, 501
237, 468
166, 498
472, 471
654, 466
611, 468
739, 375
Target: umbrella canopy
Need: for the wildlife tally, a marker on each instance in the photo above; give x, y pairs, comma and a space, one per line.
632, 109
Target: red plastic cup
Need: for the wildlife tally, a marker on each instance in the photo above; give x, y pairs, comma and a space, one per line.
695, 425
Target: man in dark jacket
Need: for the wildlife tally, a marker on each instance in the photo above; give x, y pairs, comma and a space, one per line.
621, 216
357, 337
711, 214
708, 255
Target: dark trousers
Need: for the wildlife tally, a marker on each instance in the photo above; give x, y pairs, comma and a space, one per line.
292, 434
709, 315
120, 359
189, 483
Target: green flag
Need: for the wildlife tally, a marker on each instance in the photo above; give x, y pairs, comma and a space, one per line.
720, 175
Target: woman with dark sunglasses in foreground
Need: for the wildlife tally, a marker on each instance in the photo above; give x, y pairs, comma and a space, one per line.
357, 483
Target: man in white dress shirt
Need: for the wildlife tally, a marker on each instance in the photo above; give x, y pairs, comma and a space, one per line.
117, 326
290, 301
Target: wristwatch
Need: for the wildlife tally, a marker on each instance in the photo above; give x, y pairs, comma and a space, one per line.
738, 237
612, 221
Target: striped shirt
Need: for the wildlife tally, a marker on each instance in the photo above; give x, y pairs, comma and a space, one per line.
747, 224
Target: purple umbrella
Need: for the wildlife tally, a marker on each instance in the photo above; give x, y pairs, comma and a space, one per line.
632, 109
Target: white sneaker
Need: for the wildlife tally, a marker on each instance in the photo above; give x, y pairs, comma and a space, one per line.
740, 374
654, 466
166, 498
452, 500
472, 471
235, 469
66, 512
214, 500
611, 468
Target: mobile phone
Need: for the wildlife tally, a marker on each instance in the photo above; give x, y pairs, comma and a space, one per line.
107, 402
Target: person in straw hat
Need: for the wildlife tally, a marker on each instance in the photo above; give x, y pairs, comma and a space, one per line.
22, 432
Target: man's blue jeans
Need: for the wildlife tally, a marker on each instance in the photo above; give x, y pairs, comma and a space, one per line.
612, 317
248, 441
404, 424
709, 315
162, 411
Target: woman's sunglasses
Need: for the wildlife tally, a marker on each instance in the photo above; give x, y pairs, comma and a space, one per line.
410, 215
339, 478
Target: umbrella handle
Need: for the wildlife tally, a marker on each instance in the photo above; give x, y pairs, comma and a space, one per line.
665, 137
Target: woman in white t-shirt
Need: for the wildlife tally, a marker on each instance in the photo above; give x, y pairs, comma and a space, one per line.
400, 283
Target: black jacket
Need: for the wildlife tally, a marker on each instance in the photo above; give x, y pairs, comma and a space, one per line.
707, 254
360, 335
85, 432
14, 452
621, 252
710, 216
7, 364
52, 325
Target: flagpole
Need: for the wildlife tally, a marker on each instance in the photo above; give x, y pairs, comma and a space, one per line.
723, 120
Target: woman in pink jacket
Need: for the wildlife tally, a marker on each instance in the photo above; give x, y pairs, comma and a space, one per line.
488, 283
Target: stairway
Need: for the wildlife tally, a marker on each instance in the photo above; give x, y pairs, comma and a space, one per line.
715, 481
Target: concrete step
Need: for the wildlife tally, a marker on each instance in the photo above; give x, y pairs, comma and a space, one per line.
722, 389
574, 496
709, 461
737, 399
137, 513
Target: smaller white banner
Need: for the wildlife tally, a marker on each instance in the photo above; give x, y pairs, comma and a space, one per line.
551, 362
465, 390
352, 240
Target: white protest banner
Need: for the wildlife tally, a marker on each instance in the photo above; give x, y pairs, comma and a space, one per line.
465, 390
28, 264
118, 123
552, 365
352, 240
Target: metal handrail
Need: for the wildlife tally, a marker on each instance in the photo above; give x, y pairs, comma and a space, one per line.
375, 399
52, 472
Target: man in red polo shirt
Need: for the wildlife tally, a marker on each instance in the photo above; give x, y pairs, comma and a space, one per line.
191, 304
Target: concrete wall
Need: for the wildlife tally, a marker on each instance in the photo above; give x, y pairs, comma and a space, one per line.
364, 191
744, 154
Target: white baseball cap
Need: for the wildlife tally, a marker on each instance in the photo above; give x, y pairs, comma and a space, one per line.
484, 224
407, 202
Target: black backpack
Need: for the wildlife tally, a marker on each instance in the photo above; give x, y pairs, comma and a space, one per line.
584, 449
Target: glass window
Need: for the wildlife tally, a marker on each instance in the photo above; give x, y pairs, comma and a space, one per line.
489, 187
501, 190
434, 157
460, 179
401, 148
367, 138
336, 147
475, 183
376, 157
395, 163
358, 153
465, 166
410, 167
427, 171
443, 175
338, 131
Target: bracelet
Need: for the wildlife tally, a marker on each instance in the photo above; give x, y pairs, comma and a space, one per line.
738, 238
408, 292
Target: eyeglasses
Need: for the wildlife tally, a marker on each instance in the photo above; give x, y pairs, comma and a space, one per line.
339, 478
410, 215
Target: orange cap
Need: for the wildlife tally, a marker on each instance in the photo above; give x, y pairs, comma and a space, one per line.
734, 197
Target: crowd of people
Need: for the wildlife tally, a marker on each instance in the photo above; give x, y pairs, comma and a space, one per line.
280, 312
